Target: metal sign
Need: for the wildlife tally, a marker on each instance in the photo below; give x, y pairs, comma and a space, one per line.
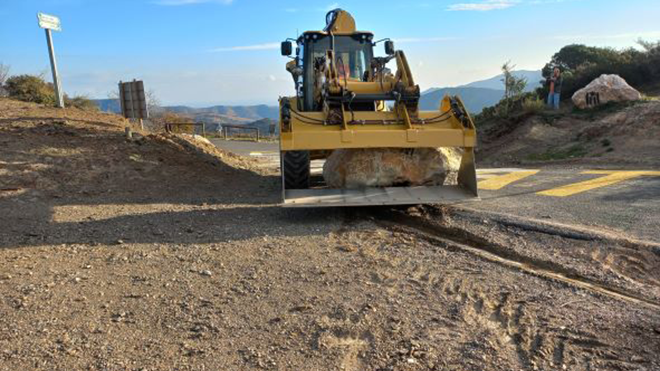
49, 22
133, 100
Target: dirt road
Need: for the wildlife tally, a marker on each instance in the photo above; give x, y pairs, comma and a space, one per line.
143, 255
622, 198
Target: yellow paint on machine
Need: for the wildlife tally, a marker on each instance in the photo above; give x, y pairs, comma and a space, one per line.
610, 178
499, 182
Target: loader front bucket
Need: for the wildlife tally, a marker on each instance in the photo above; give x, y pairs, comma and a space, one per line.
306, 134
465, 190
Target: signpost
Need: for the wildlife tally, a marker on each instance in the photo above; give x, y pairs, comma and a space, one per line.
133, 101
50, 22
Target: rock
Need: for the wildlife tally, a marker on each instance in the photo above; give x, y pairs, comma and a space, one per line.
197, 138
385, 167
604, 89
205, 273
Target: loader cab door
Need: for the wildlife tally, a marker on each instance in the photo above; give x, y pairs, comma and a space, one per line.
353, 55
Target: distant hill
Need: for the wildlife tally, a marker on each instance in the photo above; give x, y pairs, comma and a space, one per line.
479, 94
533, 81
240, 112
211, 115
475, 99
476, 96
264, 126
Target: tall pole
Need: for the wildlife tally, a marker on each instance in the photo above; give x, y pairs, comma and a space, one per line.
53, 66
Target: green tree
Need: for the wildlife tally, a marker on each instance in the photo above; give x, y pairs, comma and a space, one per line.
514, 86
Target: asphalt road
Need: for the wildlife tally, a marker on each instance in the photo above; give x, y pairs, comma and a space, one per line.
626, 200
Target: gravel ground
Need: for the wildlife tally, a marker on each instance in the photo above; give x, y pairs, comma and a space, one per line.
145, 255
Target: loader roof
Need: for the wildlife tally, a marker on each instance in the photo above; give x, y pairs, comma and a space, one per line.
310, 34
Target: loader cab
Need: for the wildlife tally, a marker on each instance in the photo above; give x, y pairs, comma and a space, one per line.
353, 53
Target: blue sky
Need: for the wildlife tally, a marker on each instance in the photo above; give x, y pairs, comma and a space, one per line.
202, 52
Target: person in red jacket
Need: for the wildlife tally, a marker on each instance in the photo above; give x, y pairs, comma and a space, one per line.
555, 81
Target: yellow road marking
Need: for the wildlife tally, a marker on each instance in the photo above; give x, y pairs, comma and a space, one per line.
502, 181
611, 177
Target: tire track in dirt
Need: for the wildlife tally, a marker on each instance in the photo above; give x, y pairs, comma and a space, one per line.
508, 324
454, 238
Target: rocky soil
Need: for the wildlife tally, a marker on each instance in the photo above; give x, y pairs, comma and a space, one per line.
607, 136
152, 254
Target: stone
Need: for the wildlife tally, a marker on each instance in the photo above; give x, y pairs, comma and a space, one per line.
604, 89
387, 167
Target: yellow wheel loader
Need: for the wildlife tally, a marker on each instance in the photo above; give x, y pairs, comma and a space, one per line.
346, 98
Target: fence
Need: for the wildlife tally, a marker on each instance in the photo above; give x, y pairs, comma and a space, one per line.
226, 128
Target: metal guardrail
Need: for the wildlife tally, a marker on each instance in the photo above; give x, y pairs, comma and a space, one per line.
171, 125
225, 130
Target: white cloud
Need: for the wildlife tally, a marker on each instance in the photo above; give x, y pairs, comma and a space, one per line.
291, 10
266, 46
190, 2
272, 78
483, 6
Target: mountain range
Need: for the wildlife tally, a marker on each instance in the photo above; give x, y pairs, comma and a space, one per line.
476, 96
479, 94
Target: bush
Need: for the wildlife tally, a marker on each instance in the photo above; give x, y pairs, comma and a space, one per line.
81, 102
30, 88
505, 108
533, 105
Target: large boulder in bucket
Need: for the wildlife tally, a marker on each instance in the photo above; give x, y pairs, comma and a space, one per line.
388, 167
604, 89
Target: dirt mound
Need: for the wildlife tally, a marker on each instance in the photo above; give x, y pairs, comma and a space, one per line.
47, 152
613, 134
203, 147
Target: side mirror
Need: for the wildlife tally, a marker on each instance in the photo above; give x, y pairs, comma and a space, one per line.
389, 47
287, 48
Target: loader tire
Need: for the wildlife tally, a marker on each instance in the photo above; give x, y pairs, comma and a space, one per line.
295, 167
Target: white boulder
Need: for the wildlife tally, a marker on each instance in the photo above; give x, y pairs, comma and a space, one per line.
604, 89
386, 167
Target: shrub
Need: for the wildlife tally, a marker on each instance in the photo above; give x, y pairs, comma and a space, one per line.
533, 105
30, 88
81, 102
505, 108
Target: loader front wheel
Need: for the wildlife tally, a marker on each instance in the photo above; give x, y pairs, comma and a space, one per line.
295, 167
